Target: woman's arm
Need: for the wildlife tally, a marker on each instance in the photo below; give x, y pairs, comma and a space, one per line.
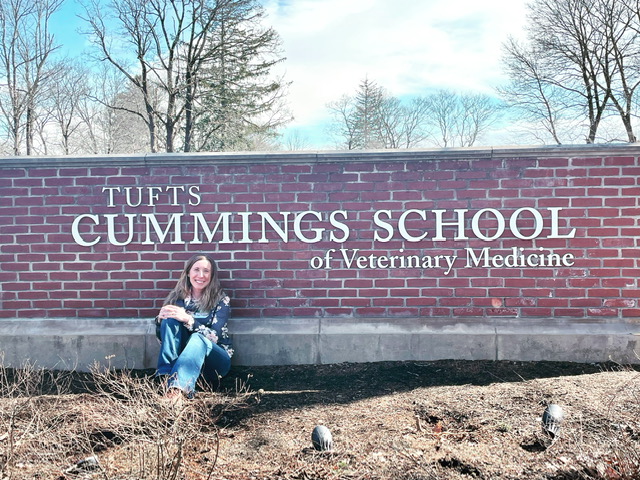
217, 320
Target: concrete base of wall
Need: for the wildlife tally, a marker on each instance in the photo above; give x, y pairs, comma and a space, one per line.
73, 344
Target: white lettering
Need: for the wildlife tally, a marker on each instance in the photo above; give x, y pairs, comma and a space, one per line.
403, 229
298, 231
554, 225
439, 237
194, 193
111, 229
199, 221
381, 223
154, 194
450, 261
75, 231
475, 224
339, 225
245, 227
162, 235
283, 233
110, 202
513, 223
316, 263
349, 260
517, 259
174, 189
127, 192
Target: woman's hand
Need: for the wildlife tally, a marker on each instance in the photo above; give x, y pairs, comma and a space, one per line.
213, 337
179, 313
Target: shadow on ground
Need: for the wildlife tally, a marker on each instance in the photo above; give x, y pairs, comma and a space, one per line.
285, 387
274, 388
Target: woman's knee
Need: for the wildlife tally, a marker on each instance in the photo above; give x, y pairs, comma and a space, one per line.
172, 333
170, 326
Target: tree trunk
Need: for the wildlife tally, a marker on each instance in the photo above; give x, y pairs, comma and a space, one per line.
29, 130
188, 112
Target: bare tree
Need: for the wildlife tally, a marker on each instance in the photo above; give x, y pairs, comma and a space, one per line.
621, 23
372, 118
576, 50
532, 91
459, 119
110, 115
375, 119
479, 112
295, 141
131, 18
95, 113
413, 124
343, 125
171, 44
67, 92
444, 115
26, 46
389, 122
581, 61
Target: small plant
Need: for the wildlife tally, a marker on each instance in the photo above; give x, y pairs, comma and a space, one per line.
504, 428
119, 421
165, 440
30, 414
617, 435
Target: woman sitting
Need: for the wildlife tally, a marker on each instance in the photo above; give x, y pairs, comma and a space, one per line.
192, 327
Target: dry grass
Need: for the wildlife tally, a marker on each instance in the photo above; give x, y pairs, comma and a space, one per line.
400, 421
120, 428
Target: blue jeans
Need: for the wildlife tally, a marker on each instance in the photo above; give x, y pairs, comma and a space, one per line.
185, 356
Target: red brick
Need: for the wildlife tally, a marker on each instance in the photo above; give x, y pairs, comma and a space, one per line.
589, 162
14, 172
388, 302
586, 182
355, 302
569, 312
520, 302
605, 245
619, 181
468, 312
620, 161
453, 302
602, 312
556, 162
421, 301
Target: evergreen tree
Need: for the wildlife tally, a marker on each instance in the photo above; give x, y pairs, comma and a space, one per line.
237, 102
369, 101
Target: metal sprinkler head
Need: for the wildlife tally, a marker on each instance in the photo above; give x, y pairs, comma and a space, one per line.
552, 419
321, 438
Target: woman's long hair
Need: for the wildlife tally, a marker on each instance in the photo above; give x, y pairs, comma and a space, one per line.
211, 295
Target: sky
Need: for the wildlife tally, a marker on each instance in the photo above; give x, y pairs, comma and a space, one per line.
408, 47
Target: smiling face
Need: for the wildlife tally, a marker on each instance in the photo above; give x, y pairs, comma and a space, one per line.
200, 276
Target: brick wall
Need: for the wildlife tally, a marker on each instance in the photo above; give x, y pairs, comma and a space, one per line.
380, 206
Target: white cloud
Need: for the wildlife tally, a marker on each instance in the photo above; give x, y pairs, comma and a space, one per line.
406, 46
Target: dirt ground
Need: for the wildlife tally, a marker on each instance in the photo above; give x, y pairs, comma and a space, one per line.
391, 420
435, 420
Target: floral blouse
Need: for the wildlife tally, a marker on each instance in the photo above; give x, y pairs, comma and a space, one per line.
213, 322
